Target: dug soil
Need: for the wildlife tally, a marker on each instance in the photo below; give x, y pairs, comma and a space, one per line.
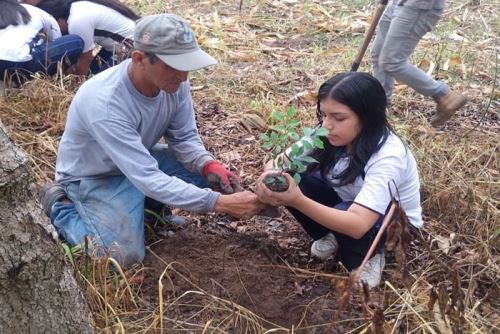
230, 269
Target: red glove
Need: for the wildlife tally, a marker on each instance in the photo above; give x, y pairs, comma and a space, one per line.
220, 178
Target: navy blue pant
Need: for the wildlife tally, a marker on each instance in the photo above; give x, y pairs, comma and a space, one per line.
351, 251
46, 56
104, 60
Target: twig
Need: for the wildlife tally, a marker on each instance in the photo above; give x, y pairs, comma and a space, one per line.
385, 223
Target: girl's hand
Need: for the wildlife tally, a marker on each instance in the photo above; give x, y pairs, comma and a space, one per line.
287, 198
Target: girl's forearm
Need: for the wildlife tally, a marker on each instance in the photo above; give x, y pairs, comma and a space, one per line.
345, 222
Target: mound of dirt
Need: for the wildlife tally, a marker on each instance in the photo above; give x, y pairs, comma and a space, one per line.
244, 269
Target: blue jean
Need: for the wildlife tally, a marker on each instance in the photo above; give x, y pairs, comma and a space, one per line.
400, 30
46, 56
102, 61
351, 251
110, 209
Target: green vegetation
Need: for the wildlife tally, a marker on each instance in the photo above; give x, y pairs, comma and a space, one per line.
284, 134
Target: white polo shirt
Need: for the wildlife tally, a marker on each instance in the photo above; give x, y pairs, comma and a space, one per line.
15, 40
394, 167
85, 17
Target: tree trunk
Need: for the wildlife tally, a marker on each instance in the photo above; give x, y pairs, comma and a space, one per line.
38, 293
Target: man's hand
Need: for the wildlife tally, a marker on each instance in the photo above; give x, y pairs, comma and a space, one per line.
220, 178
240, 205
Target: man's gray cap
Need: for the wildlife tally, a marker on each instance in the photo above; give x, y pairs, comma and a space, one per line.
171, 39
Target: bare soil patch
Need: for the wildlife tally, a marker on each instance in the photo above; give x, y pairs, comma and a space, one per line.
248, 269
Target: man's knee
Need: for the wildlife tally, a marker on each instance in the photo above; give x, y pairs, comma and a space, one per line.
390, 65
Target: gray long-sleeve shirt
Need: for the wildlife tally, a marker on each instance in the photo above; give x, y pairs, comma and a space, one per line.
111, 128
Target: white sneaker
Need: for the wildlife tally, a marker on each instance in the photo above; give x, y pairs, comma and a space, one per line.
372, 272
325, 247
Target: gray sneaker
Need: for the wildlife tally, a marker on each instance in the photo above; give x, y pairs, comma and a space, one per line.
372, 272
51, 193
164, 216
175, 220
325, 247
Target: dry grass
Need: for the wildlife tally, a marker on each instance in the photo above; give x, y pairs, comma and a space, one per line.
273, 53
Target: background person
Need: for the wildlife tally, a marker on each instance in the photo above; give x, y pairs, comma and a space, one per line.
108, 23
31, 41
109, 160
400, 29
342, 201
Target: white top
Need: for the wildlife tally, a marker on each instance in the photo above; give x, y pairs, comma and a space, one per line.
15, 40
85, 17
393, 165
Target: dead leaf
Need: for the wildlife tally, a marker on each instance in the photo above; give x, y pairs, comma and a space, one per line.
455, 60
424, 64
242, 56
440, 321
307, 96
443, 243
230, 156
252, 121
433, 296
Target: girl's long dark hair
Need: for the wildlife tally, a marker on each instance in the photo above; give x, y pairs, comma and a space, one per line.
60, 9
11, 12
365, 96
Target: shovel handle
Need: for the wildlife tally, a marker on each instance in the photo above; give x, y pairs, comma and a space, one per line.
369, 34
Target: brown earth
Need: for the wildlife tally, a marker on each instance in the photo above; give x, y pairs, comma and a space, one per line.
247, 269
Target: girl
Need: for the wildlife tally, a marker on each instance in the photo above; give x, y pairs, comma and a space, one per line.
342, 200
31, 40
108, 23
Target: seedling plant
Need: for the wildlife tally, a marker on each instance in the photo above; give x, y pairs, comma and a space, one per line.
283, 136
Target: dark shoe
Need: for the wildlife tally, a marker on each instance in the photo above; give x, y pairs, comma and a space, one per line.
164, 216
446, 106
52, 192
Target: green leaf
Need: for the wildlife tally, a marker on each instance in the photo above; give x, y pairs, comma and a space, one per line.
321, 132
301, 151
291, 112
319, 143
264, 137
293, 123
307, 159
297, 178
307, 132
295, 136
283, 137
307, 145
277, 116
295, 149
267, 146
278, 128
277, 150
69, 253
298, 166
